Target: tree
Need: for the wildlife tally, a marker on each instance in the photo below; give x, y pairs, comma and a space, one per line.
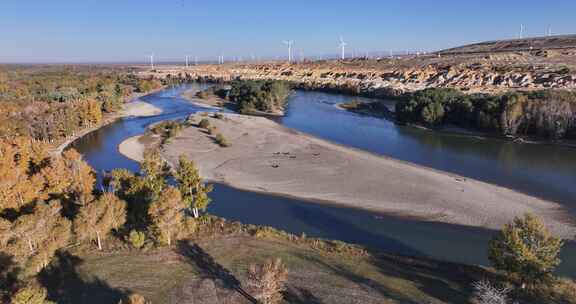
81, 176
31, 294
526, 250
194, 191
37, 236
433, 113
266, 281
97, 219
154, 171
166, 214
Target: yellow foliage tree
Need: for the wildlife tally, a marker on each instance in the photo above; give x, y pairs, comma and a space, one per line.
97, 218
167, 214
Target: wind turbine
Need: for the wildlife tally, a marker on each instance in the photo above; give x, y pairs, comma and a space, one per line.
152, 61
343, 47
522, 28
289, 43
549, 31
186, 60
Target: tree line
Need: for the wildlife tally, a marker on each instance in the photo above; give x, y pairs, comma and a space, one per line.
549, 114
52, 103
252, 96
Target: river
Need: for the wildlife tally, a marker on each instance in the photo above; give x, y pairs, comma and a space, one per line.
542, 170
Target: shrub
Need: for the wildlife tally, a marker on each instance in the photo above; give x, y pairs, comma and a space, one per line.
221, 140
526, 251
212, 130
218, 115
137, 239
487, 293
204, 123
266, 281
167, 129
31, 294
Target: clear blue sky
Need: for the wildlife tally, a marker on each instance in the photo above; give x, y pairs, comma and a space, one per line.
128, 30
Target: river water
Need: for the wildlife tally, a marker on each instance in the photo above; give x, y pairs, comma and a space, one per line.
543, 170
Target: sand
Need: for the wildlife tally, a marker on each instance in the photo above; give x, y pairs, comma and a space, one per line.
267, 157
132, 148
139, 108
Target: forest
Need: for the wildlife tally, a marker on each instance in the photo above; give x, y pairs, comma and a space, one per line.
51, 103
547, 114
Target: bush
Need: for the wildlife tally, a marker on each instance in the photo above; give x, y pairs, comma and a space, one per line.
204, 123
221, 140
137, 239
218, 115
487, 293
266, 281
167, 129
31, 294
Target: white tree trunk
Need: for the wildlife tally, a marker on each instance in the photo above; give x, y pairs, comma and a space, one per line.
99, 240
30, 245
195, 211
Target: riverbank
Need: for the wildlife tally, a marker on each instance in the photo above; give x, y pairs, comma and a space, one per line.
266, 157
135, 107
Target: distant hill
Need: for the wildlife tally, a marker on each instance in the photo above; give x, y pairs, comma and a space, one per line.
514, 45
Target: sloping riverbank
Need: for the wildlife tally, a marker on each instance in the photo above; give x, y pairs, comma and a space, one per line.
266, 157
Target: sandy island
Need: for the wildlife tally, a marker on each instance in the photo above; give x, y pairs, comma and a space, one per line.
266, 157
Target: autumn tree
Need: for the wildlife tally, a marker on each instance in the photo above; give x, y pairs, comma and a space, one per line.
526, 250
266, 281
194, 190
167, 214
34, 238
154, 171
81, 175
98, 218
21, 182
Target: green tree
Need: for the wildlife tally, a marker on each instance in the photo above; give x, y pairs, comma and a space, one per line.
433, 113
194, 191
526, 251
